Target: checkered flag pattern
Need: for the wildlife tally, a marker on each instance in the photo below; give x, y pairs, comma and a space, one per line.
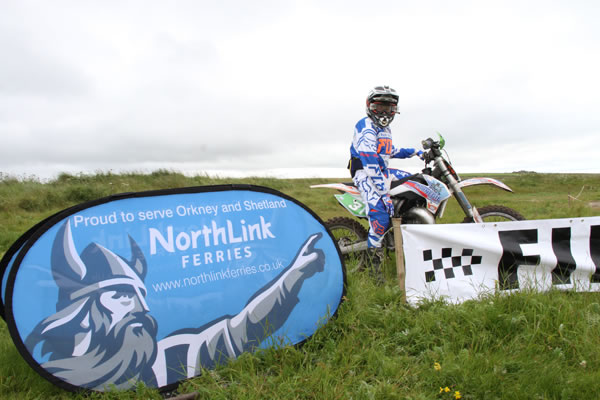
448, 263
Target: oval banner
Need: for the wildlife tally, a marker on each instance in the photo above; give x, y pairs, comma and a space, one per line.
8, 259
154, 286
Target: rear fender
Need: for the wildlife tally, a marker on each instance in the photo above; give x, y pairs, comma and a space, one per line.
350, 199
484, 181
342, 187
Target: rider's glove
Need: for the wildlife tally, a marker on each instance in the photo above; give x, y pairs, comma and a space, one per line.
389, 206
419, 154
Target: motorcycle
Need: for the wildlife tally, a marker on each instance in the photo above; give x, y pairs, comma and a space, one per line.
418, 199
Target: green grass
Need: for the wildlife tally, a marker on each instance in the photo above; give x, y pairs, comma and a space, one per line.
520, 346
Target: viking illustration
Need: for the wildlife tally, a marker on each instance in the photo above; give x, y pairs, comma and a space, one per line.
103, 334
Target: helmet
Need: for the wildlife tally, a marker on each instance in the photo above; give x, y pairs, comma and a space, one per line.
78, 275
382, 103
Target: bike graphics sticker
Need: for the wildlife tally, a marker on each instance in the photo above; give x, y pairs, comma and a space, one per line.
154, 286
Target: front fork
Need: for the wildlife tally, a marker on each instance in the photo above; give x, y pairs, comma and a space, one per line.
469, 210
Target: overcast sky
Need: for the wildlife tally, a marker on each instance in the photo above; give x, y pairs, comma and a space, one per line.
277, 86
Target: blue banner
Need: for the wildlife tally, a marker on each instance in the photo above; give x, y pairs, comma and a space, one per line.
9, 257
154, 286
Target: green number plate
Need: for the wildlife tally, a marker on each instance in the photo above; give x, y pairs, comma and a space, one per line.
353, 204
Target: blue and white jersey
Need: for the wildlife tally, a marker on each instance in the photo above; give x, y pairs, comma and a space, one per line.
372, 145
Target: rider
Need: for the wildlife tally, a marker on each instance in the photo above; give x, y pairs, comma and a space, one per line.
370, 152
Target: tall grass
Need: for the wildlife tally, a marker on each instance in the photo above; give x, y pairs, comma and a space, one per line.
519, 346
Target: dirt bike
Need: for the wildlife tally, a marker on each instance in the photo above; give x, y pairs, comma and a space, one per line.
418, 199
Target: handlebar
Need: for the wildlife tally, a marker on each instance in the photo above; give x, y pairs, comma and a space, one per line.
432, 150
429, 143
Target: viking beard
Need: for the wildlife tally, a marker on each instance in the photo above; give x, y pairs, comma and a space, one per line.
119, 356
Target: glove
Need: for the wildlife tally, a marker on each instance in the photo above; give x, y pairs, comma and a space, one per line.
419, 154
389, 206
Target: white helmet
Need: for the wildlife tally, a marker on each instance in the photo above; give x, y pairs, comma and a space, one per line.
382, 103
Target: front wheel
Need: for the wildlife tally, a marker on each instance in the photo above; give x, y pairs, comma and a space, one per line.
497, 214
347, 231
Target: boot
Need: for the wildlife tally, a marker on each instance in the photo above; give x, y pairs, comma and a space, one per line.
377, 257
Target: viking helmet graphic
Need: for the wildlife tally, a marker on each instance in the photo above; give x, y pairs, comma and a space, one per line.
77, 276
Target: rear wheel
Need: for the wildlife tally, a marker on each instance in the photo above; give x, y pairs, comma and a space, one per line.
347, 231
497, 214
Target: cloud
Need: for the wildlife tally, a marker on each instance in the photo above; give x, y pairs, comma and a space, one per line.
280, 84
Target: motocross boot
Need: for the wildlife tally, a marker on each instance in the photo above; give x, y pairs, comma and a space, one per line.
376, 256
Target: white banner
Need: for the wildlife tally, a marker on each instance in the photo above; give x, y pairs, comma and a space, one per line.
461, 261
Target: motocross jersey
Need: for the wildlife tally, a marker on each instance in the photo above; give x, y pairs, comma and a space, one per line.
372, 149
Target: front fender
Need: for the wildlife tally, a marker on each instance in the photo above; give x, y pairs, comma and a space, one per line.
484, 181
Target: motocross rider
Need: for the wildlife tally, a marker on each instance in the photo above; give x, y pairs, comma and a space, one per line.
370, 152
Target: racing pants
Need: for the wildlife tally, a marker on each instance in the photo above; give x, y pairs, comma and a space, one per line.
379, 218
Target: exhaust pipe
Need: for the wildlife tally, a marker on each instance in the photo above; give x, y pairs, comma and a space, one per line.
420, 214
354, 247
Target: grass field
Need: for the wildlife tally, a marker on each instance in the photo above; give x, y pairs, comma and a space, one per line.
522, 346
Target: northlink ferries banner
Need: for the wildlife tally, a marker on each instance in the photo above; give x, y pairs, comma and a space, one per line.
462, 261
154, 286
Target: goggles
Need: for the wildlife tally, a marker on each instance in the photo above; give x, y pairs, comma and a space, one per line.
378, 107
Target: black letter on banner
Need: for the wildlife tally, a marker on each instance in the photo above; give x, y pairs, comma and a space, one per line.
512, 256
595, 251
565, 263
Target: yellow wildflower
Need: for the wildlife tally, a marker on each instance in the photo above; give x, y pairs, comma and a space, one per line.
446, 389
457, 395
437, 366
